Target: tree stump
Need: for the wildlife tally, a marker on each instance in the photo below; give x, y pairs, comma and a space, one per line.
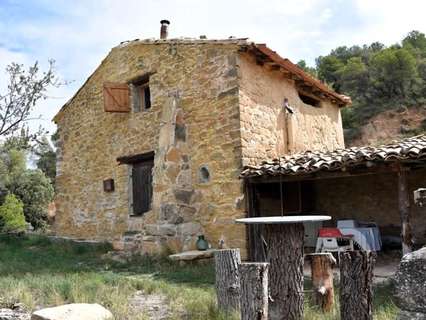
285, 257
356, 280
254, 291
227, 262
322, 280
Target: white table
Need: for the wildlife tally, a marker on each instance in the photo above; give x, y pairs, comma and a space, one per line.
284, 237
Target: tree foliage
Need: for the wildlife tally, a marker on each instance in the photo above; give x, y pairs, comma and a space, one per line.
31, 186
25, 88
46, 156
36, 192
377, 77
12, 215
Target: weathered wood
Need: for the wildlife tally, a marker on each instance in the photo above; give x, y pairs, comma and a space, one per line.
285, 256
404, 211
356, 282
322, 280
254, 291
227, 262
349, 172
116, 97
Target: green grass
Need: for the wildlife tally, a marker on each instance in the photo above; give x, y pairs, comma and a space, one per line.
38, 272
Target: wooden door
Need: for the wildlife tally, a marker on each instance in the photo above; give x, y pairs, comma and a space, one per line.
142, 186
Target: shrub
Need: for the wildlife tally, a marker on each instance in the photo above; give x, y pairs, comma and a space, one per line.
36, 192
12, 217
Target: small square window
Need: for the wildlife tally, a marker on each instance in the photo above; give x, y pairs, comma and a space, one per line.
309, 100
141, 95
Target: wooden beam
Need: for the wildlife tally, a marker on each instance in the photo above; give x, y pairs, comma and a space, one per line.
404, 211
325, 175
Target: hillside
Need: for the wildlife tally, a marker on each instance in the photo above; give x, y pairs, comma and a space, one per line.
387, 85
390, 125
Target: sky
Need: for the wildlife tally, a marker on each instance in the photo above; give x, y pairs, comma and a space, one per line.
78, 34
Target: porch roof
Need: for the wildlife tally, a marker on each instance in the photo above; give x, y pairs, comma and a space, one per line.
409, 150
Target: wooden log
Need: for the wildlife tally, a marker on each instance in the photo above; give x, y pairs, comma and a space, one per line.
254, 291
227, 262
356, 282
322, 280
285, 257
404, 211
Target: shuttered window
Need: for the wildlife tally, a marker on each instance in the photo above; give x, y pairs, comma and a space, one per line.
141, 175
116, 97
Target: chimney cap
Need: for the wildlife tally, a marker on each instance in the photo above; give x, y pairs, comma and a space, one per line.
165, 21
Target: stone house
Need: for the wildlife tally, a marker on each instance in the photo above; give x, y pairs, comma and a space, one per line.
152, 145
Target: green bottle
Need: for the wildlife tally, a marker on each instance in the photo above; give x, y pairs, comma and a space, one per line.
202, 243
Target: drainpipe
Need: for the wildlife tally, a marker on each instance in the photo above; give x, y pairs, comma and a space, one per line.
289, 111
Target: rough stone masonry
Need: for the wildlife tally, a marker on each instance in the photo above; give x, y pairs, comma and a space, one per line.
410, 286
214, 108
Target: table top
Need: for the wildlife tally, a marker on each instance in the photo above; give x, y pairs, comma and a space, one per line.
283, 219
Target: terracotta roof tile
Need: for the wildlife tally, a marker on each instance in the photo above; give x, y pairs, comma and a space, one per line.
413, 148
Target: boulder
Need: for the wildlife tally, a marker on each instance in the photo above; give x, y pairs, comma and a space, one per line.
12, 314
410, 282
74, 311
407, 315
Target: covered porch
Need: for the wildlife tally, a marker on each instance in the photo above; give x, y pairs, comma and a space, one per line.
366, 184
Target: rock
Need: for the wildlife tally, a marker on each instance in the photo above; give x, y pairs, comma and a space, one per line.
12, 314
168, 212
407, 315
184, 196
410, 282
180, 132
189, 229
192, 255
74, 311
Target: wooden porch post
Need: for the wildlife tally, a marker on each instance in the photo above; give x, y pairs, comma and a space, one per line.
404, 211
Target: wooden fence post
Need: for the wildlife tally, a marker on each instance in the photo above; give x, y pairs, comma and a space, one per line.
227, 262
356, 282
254, 290
322, 280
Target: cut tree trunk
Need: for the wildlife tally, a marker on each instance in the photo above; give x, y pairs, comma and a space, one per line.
356, 282
254, 291
404, 211
322, 280
227, 262
285, 256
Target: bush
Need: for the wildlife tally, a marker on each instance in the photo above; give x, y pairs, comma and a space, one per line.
12, 217
36, 192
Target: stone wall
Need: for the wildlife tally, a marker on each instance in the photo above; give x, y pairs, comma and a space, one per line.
264, 132
364, 198
193, 124
213, 110
372, 198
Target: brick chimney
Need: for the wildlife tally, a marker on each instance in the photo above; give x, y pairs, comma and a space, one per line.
164, 31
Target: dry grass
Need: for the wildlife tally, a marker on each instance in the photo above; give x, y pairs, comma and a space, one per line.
38, 272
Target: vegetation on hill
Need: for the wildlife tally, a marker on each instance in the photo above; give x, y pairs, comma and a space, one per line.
376, 77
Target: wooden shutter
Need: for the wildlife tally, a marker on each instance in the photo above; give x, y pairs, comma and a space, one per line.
142, 186
116, 97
